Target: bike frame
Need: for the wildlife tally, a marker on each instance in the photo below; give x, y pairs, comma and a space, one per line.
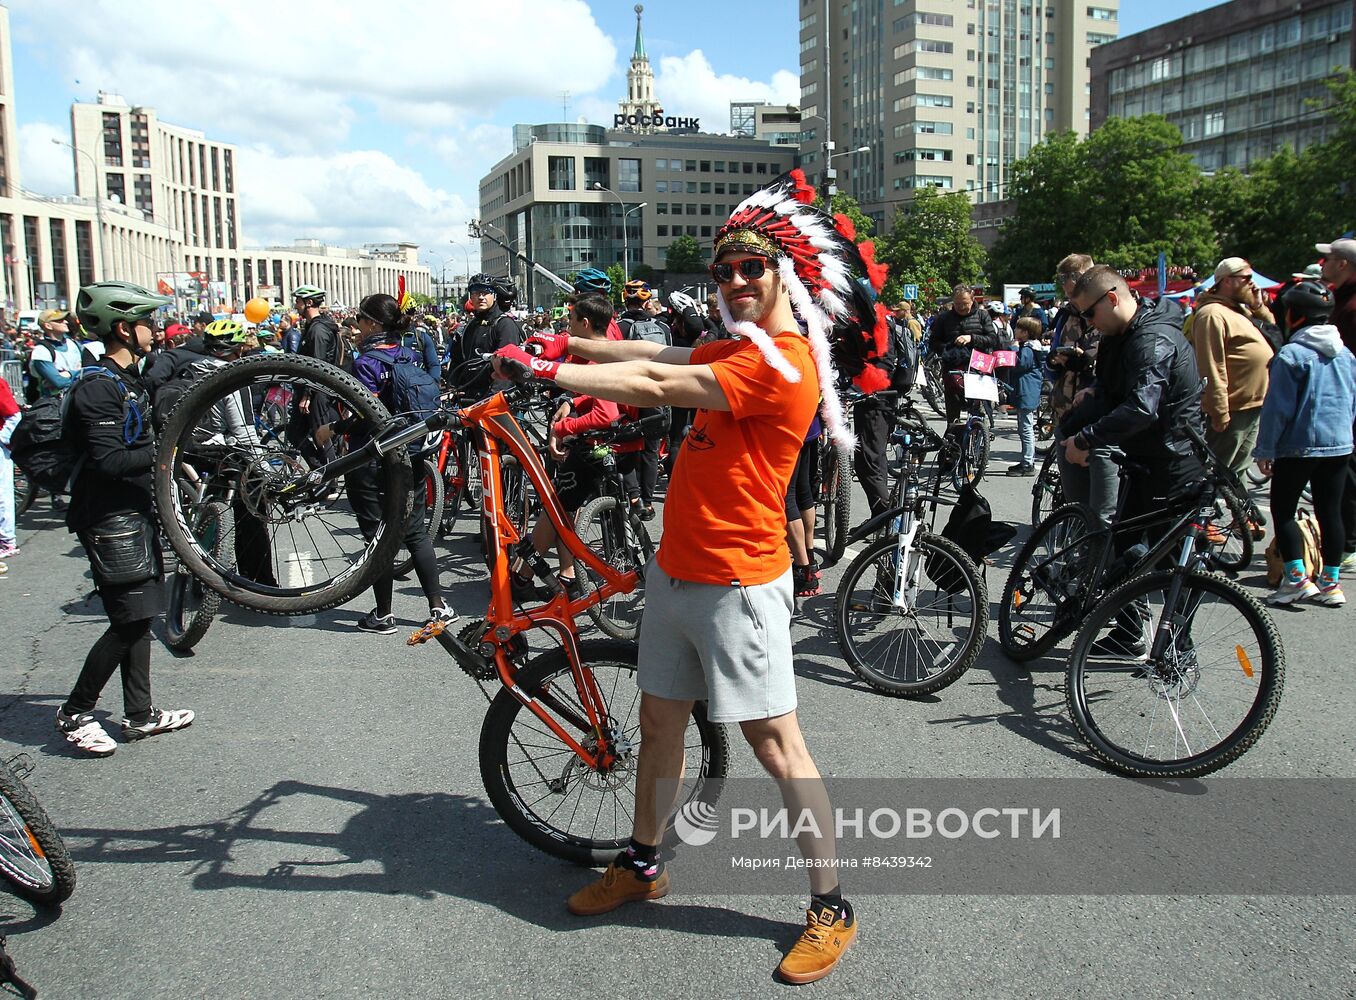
501, 436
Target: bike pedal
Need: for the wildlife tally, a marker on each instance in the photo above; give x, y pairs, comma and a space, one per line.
426, 632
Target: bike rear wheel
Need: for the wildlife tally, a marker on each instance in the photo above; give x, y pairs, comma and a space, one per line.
1047, 492
317, 552
974, 453
1044, 593
837, 504
546, 793
932, 386
32, 854
930, 638
191, 606
24, 492
606, 526
1231, 547
1197, 707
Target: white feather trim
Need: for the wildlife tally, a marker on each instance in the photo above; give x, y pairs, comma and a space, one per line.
817, 327
758, 335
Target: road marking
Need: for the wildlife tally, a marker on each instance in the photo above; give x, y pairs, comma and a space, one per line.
850, 553
299, 571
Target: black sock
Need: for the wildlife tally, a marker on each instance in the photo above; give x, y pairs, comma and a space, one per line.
833, 900
643, 859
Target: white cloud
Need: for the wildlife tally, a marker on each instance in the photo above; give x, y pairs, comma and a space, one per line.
688, 86
45, 167
298, 70
346, 198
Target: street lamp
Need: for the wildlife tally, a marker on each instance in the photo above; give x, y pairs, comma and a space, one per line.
442, 275
466, 254
626, 244
98, 204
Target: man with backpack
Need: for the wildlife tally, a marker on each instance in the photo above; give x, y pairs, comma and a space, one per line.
393, 374
55, 358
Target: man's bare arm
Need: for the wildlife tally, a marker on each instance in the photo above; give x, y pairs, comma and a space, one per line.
646, 383
612, 351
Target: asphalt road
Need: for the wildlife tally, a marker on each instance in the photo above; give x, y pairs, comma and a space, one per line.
321, 830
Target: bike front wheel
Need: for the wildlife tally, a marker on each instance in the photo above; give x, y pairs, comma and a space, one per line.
315, 553
915, 628
1196, 706
32, 854
606, 526
546, 793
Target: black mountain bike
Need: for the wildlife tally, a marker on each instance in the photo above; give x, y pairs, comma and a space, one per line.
1175, 672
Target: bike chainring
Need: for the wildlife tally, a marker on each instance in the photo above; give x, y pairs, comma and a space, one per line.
475, 635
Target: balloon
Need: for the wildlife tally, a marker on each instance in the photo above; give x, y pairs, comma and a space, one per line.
257, 310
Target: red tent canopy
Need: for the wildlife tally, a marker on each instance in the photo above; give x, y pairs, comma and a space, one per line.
1149, 286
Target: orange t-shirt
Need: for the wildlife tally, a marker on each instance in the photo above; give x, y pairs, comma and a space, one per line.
725, 513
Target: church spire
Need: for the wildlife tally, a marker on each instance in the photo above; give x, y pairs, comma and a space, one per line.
639, 53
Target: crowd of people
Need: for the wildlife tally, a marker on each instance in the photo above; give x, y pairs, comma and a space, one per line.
1269, 379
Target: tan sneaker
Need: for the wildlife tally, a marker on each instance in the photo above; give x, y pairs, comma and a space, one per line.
617, 886
820, 946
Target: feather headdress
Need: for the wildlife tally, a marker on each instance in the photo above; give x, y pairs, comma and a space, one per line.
832, 283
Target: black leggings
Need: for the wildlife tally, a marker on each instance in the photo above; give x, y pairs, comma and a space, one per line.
364, 493
800, 492
126, 645
1327, 478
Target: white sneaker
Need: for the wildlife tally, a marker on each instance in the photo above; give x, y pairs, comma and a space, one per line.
1291, 591
85, 734
159, 722
1330, 596
1349, 562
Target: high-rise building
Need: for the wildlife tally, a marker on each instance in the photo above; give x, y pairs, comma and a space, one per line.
1240, 80
779, 123
940, 94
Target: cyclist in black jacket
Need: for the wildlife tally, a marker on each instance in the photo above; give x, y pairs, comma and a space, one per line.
488, 330
111, 511
953, 335
319, 339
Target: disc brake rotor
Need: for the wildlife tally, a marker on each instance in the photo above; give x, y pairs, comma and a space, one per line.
263, 480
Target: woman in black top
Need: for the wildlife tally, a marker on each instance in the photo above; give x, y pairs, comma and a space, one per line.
108, 421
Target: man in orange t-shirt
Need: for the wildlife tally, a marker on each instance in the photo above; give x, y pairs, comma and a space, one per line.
717, 621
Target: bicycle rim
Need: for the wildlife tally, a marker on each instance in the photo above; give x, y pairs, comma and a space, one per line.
22, 857
546, 793
926, 639
309, 550
1195, 708
602, 525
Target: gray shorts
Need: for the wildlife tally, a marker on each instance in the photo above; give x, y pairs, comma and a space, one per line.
727, 646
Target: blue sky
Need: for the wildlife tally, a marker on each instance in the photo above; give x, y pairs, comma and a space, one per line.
379, 123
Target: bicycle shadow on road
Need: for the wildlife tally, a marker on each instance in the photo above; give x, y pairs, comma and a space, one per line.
423, 845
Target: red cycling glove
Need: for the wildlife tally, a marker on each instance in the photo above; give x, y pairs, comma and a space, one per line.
552, 346
518, 365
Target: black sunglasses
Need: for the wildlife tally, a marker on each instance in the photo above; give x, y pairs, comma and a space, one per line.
1086, 314
752, 268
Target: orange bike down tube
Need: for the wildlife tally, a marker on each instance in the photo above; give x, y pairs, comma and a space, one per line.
500, 430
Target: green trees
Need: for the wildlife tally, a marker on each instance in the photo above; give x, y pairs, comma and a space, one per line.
684, 256
1123, 195
929, 245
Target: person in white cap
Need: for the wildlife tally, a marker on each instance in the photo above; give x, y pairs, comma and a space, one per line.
1339, 270
1232, 355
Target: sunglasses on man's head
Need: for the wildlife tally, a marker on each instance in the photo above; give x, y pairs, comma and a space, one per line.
751, 268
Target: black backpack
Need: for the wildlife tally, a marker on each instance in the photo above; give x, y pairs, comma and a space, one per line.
40, 445
651, 330
906, 357
411, 392
972, 527
169, 392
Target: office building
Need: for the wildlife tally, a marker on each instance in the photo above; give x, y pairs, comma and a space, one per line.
157, 204
566, 191
777, 123
940, 94
1240, 80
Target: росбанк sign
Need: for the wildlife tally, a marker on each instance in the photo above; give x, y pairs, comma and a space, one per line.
656, 120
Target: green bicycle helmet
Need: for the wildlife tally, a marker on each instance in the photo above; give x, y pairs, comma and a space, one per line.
592, 280
309, 292
224, 335
105, 303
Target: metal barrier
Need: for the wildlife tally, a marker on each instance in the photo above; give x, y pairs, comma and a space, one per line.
13, 373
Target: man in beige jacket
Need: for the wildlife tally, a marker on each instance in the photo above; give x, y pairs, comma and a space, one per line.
1232, 355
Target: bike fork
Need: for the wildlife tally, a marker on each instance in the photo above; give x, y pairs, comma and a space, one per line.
1173, 617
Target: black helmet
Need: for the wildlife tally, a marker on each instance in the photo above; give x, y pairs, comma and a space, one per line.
1309, 300
505, 291
480, 283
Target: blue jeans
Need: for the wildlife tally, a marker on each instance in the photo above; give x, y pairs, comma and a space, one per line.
1026, 433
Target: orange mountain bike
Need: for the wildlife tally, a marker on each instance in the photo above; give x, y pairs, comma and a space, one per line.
561, 738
